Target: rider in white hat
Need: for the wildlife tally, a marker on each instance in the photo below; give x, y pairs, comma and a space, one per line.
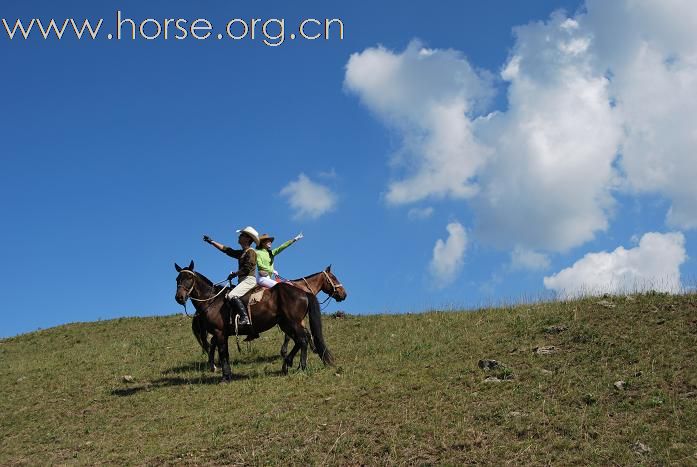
246, 271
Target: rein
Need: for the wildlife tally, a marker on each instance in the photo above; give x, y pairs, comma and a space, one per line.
193, 286
208, 299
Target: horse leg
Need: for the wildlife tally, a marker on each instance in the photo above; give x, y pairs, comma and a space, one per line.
284, 347
289, 333
288, 361
303, 353
310, 342
221, 341
211, 355
303, 343
297, 333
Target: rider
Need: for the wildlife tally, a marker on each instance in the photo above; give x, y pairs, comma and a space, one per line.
265, 257
247, 264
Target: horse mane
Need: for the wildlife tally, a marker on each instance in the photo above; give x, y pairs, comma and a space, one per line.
203, 278
207, 281
306, 277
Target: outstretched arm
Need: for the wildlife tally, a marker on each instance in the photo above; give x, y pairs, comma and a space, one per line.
285, 245
225, 249
210, 241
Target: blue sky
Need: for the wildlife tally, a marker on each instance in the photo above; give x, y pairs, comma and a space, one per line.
118, 156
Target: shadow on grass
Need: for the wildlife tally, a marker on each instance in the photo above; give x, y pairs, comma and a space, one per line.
192, 381
257, 359
171, 381
186, 368
201, 366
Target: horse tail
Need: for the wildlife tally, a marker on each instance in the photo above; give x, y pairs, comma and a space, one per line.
200, 332
316, 329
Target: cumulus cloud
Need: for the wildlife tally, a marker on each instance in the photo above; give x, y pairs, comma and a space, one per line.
543, 168
449, 255
652, 265
307, 198
522, 258
548, 186
598, 103
418, 214
426, 96
650, 51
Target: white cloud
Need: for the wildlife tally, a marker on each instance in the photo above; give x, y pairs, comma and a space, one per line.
652, 265
449, 255
650, 49
522, 258
543, 168
611, 87
418, 214
307, 198
425, 95
548, 185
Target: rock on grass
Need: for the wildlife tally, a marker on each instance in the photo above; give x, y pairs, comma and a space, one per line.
545, 350
556, 329
488, 364
640, 448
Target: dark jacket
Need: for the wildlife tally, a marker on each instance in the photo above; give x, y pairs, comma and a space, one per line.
246, 261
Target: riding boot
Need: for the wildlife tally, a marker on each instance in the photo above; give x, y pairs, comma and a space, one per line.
241, 310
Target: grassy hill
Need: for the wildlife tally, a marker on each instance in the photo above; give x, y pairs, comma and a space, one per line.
406, 389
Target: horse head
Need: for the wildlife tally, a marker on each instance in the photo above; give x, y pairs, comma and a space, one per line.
332, 286
186, 281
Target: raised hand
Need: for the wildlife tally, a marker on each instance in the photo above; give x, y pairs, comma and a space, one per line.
298, 237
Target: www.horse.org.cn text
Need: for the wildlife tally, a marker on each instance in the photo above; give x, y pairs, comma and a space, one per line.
271, 32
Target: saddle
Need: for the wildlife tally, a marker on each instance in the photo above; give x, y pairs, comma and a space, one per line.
253, 297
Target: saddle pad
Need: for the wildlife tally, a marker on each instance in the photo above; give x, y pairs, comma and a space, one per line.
256, 296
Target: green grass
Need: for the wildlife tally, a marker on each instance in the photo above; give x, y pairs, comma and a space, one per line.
406, 390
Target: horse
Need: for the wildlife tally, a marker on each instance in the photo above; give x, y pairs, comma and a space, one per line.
323, 281
284, 305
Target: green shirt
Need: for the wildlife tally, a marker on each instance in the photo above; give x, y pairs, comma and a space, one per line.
264, 262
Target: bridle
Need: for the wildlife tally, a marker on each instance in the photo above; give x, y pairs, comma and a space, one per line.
193, 283
193, 286
335, 287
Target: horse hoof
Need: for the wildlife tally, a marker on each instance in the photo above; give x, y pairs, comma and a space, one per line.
284, 369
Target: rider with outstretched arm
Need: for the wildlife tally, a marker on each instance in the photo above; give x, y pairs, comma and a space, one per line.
265, 258
246, 271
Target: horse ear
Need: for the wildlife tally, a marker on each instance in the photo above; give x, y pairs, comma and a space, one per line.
329, 268
191, 265
177, 267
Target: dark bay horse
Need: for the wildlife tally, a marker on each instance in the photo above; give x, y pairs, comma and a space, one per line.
283, 304
323, 281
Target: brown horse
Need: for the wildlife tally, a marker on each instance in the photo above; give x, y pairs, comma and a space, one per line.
323, 281
283, 304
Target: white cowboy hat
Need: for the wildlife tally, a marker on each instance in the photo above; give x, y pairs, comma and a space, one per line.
251, 231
